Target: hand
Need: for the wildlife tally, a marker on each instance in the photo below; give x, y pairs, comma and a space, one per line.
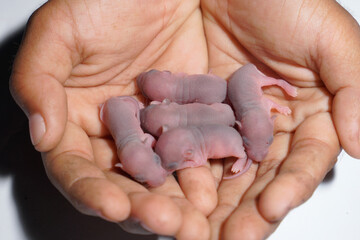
76, 55
314, 45
64, 71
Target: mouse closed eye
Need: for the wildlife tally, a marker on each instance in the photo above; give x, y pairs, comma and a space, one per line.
246, 141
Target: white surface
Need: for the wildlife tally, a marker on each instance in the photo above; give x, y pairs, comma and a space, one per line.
14, 14
332, 213
352, 6
9, 224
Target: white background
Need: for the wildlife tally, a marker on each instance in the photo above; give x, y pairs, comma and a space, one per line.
30, 207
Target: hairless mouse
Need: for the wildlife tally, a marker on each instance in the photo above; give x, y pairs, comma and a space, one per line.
181, 87
134, 147
191, 146
252, 109
166, 114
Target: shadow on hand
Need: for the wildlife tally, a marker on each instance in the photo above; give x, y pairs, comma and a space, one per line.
329, 176
43, 212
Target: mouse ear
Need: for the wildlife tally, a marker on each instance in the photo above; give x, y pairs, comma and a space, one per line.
164, 128
166, 101
238, 125
155, 102
188, 153
149, 140
119, 165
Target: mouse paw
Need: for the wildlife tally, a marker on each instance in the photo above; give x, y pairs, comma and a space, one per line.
239, 167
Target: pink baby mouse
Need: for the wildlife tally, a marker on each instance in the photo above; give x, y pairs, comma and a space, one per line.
134, 147
168, 114
191, 146
181, 87
252, 109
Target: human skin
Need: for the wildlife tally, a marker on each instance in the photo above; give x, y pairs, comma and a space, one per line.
312, 45
167, 114
67, 65
181, 87
253, 110
191, 146
121, 115
68, 71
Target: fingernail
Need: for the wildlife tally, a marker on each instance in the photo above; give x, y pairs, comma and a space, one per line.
146, 227
134, 226
160, 237
37, 128
100, 214
101, 106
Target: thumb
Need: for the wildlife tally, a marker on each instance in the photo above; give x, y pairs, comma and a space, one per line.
42, 65
339, 53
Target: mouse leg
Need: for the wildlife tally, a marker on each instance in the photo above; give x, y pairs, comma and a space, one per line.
264, 81
239, 167
281, 109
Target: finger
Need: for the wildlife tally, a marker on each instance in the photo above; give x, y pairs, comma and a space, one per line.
338, 50
347, 119
237, 216
70, 166
43, 63
151, 212
199, 187
245, 220
194, 225
313, 153
165, 211
134, 226
157, 213
230, 193
171, 217
247, 223
217, 170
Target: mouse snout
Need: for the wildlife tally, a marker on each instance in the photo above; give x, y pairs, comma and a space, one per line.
157, 179
257, 156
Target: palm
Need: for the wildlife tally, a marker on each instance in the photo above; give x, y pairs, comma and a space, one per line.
242, 31
124, 39
122, 43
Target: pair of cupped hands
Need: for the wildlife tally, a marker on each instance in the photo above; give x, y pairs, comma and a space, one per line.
77, 54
